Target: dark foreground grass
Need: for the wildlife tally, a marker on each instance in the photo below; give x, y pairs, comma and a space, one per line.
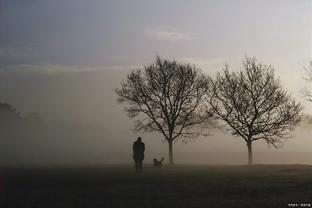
179, 186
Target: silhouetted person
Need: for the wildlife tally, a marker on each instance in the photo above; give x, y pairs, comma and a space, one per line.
138, 154
158, 163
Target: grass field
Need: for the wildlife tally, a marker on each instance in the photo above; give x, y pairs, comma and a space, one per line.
179, 186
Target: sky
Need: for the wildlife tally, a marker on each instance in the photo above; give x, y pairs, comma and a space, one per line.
57, 36
53, 53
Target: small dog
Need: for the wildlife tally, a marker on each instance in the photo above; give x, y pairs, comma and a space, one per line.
158, 163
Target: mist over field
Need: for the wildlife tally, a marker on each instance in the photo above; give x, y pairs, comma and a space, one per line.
62, 60
211, 88
82, 124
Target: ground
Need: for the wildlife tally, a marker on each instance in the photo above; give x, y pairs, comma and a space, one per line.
179, 186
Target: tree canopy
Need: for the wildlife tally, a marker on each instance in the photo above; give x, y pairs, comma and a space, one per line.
253, 104
308, 78
166, 97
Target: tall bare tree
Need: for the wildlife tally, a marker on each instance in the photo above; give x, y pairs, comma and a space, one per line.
8, 113
10, 121
308, 78
166, 97
253, 104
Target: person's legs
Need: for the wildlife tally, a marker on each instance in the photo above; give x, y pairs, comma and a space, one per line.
136, 165
140, 166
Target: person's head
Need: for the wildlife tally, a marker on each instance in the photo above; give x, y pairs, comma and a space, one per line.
139, 139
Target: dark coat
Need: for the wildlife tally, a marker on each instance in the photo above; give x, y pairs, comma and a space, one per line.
138, 150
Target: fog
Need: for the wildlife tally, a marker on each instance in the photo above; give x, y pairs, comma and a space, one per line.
62, 60
81, 123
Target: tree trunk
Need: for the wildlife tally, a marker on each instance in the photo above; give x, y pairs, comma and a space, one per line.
249, 152
170, 153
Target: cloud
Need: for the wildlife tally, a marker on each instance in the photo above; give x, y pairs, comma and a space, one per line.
209, 64
17, 52
50, 69
168, 34
39, 69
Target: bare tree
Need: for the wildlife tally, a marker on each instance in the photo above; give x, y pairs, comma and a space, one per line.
253, 104
10, 121
166, 97
8, 113
307, 93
